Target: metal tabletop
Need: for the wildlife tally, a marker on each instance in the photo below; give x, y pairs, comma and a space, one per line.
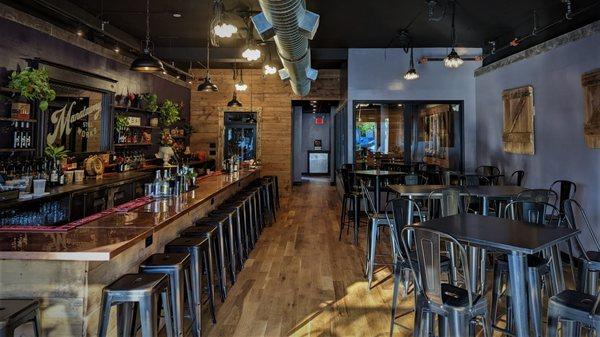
379, 173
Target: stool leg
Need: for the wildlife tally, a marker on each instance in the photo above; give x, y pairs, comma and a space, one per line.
496, 292
232, 255
196, 290
165, 296
222, 261
207, 264
534, 288
395, 297
372, 250
37, 323
125, 319
240, 245
342, 217
551, 330
149, 316
192, 307
104, 315
356, 218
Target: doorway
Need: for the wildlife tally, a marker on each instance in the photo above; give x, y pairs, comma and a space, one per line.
312, 134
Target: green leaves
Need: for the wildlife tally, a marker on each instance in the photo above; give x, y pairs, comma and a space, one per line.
168, 113
33, 84
55, 152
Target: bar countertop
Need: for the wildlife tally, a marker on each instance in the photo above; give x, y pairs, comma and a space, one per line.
103, 239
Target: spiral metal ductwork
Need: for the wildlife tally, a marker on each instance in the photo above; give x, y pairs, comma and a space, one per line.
291, 25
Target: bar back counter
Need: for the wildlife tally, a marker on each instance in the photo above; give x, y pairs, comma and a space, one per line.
67, 270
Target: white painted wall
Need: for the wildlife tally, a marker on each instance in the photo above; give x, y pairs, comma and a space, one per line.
377, 74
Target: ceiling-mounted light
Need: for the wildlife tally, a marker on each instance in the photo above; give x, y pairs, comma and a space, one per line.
117, 49
219, 27
146, 63
207, 85
411, 74
453, 60
176, 15
241, 86
268, 66
79, 32
251, 52
234, 101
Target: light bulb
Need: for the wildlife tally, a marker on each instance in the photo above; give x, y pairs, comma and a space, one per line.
269, 69
241, 86
225, 29
251, 53
453, 60
411, 74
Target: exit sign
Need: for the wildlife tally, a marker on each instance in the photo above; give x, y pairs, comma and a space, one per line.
319, 120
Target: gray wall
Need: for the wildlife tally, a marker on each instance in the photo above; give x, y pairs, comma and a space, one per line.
377, 74
297, 158
560, 149
304, 133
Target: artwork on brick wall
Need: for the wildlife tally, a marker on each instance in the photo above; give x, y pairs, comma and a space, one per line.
591, 95
518, 134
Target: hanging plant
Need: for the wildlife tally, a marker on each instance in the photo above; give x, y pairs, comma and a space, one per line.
150, 102
121, 123
168, 113
34, 85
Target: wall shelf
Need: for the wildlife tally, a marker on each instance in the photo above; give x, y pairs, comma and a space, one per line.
8, 119
7, 90
7, 150
144, 127
130, 109
133, 144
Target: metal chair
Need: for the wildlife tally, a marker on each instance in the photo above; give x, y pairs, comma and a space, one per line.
573, 309
178, 267
474, 180
354, 198
415, 179
452, 178
566, 190
516, 178
538, 195
457, 308
538, 266
143, 290
14, 313
589, 269
491, 172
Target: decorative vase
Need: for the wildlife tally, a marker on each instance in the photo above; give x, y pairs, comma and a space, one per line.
165, 153
154, 122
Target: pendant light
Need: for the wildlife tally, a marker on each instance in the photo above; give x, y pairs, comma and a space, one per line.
251, 52
241, 86
234, 101
146, 63
411, 74
453, 60
219, 27
207, 85
269, 67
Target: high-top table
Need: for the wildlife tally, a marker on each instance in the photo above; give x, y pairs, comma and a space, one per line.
376, 176
517, 239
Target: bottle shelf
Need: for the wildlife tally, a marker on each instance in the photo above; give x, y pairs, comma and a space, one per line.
144, 127
6, 149
7, 90
131, 109
8, 119
132, 144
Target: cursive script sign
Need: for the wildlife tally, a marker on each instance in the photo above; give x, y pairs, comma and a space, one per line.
63, 118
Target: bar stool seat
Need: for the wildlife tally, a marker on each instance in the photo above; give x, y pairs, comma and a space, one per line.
573, 309
14, 313
239, 233
178, 267
226, 254
210, 233
144, 290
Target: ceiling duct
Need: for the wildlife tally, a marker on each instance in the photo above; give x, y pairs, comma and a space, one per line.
291, 25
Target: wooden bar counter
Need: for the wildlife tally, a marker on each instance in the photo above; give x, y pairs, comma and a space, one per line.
66, 271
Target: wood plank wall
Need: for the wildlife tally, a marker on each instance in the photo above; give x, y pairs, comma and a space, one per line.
270, 94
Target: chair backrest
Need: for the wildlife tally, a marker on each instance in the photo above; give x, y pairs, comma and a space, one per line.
451, 178
400, 211
516, 178
427, 277
539, 194
538, 212
575, 216
415, 179
566, 190
487, 170
447, 201
370, 209
475, 180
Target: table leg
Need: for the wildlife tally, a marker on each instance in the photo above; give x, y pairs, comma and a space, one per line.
372, 250
556, 271
473, 253
377, 192
516, 265
411, 216
483, 262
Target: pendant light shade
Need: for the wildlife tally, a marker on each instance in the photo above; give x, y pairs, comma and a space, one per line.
234, 101
411, 74
453, 60
207, 85
145, 63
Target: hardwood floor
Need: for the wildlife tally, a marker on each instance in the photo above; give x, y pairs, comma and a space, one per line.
302, 281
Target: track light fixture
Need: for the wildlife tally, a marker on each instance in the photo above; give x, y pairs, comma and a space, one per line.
453, 60
146, 63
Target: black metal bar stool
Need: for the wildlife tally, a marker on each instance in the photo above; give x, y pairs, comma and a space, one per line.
226, 243
231, 213
14, 313
267, 190
178, 267
256, 190
210, 233
141, 289
196, 248
275, 180
242, 205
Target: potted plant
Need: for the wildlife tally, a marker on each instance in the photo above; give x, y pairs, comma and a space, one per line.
168, 113
150, 102
121, 126
56, 154
34, 85
165, 151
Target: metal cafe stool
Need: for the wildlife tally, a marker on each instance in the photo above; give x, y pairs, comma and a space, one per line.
457, 308
249, 200
178, 267
354, 197
14, 313
231, 213
255, 191
144, 290
226, 255
210, 233
239, 215
196, 248
275, 188
268, 191
573, 309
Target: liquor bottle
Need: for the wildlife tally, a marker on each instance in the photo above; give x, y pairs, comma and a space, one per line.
164, 188
28, 135
157, 184
53, 174
16, 136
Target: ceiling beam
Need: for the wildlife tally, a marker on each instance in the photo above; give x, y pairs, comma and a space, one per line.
230, 55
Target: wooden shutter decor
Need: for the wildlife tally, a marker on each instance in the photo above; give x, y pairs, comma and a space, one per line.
518, 122
591, 118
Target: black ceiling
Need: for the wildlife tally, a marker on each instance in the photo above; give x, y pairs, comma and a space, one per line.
343, 24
